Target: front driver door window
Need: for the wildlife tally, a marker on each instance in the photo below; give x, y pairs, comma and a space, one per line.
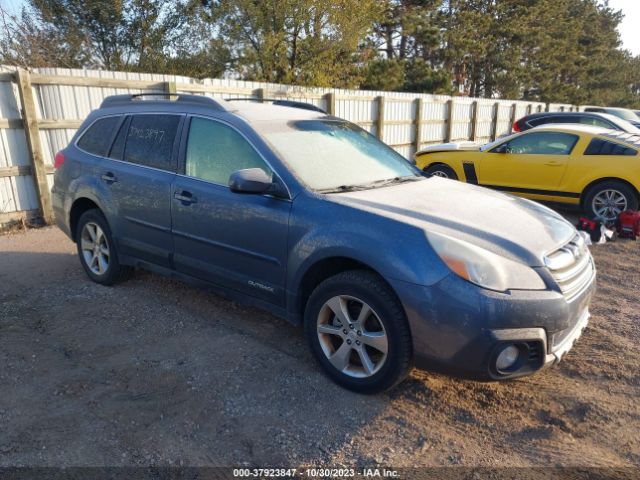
215, 151
235, 240
531, 161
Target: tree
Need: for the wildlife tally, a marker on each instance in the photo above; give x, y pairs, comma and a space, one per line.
307, 42
110, 34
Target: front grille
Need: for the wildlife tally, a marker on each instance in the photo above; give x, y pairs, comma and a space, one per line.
571, 267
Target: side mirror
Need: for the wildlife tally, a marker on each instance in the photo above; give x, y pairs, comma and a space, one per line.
250, 180
500, 149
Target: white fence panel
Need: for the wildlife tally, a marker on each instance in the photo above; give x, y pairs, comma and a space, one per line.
70, 103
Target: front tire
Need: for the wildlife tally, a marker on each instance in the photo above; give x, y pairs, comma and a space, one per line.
441, 170
97, 250
606, 200
358, 332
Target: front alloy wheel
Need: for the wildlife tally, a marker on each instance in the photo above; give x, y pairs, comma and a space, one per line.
352, 336
358, 331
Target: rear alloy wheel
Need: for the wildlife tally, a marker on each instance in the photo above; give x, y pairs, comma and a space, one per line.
608, 199
358, 332
97, 250
442, 171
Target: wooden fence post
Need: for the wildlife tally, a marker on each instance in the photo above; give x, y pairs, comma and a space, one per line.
494, 122
330, 100
514, 108
32, 133
170, 88
259, 93
417, 141
450, 116
380, 119
474, 121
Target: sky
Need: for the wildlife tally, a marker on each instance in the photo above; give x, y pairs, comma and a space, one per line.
628, 28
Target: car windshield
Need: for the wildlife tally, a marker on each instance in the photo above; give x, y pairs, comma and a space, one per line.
329, 155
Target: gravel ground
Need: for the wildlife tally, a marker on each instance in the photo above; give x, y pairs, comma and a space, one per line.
154, 372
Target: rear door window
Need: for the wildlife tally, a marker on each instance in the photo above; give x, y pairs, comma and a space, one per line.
150, 140
97, 138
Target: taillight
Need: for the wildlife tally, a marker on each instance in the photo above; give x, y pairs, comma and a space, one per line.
516, 127
58, 160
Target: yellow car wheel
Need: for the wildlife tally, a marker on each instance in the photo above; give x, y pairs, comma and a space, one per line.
441, 170
606, 200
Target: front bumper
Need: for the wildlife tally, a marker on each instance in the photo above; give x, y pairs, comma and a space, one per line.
560, 350
459, 328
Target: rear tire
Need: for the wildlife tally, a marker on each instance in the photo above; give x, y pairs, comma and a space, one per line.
607, 199
97, 250
441, 170
366, 347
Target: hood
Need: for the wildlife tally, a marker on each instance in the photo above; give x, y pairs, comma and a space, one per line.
515, 228
448, 147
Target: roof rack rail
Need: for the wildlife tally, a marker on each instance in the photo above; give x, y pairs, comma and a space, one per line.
280, 102
115, 100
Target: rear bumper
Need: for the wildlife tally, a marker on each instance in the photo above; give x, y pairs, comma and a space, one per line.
460, 329
60, 214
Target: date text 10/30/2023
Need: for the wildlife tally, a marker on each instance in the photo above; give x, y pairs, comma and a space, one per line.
314, 473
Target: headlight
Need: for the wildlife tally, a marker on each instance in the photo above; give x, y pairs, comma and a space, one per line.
484, 268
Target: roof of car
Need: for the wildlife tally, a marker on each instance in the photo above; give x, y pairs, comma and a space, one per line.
630, 139
560, 114
574, 128
252, 111
257, 112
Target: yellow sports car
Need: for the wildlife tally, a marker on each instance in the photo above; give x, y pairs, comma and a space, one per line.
595, 168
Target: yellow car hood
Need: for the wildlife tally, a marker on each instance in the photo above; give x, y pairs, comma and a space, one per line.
450, 147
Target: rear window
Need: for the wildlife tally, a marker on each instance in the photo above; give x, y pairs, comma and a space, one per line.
605, 147
150, 140
598, 122
97, 138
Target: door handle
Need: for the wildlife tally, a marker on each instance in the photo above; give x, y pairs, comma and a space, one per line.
553, 164
109, 177
185, 197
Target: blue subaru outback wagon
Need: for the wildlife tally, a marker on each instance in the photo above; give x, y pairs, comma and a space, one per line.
312, 218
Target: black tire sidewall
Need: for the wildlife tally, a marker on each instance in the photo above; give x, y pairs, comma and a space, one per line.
442, 168
113, 270
391, 316
628, 192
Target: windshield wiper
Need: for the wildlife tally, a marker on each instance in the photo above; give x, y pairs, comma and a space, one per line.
369, 185
341, 188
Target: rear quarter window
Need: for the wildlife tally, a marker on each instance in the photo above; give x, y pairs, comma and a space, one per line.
97, 138
598, 146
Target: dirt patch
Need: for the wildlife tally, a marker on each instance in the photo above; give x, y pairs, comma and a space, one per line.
154, 372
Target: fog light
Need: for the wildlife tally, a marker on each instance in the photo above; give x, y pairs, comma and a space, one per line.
507, 358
